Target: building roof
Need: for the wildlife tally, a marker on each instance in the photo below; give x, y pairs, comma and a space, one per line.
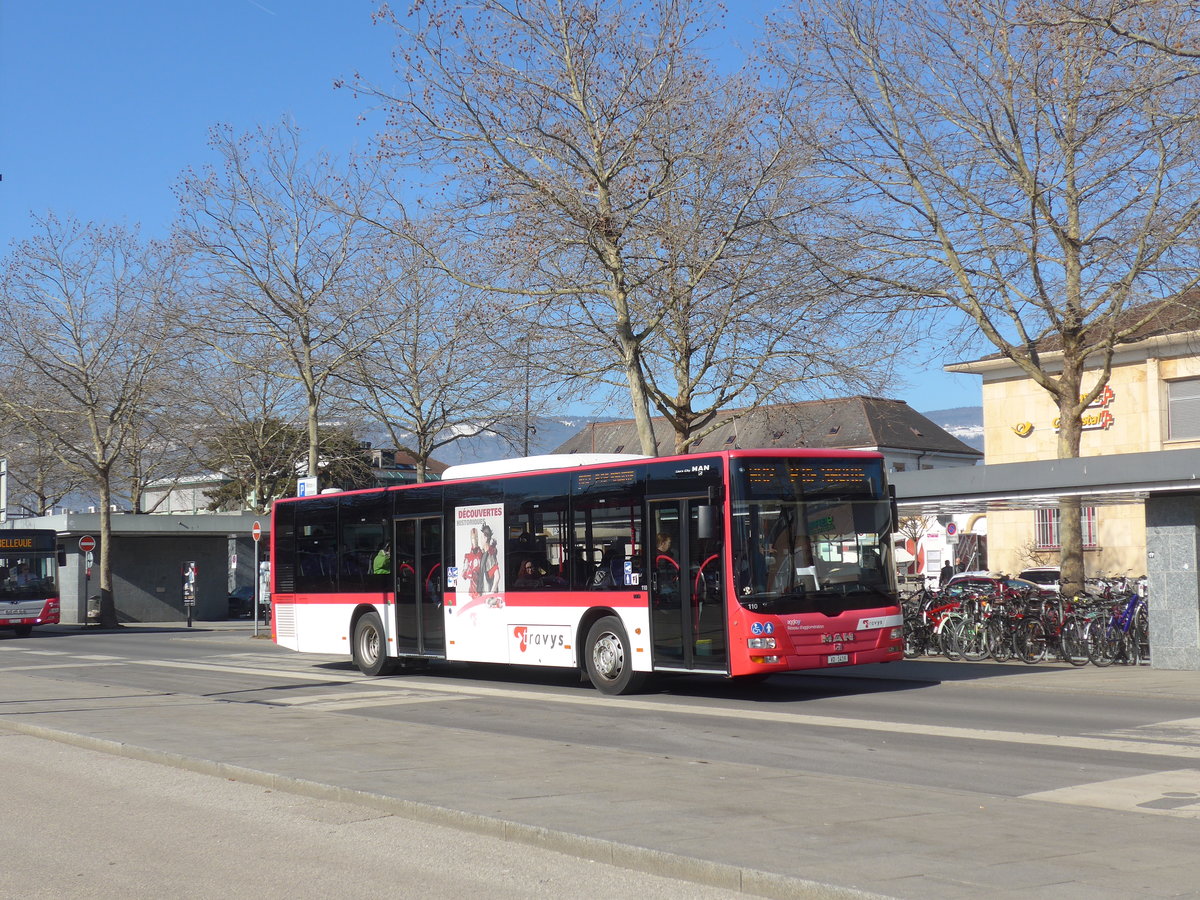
1094, 480
1157, 319
848, 423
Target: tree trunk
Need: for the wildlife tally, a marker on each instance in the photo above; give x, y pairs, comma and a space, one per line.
1070, 521
108, 603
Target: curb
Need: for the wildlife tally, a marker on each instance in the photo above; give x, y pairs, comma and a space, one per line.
638, 859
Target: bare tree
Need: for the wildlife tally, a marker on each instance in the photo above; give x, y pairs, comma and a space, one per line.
38, 480
83, 316
443, 371
1168, 26
279, 263
1040, 179
245, 426
598, 161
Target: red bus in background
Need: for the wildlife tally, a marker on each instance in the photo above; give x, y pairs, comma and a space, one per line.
28, 579
740, 563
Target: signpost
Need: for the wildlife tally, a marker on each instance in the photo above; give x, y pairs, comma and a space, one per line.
256, 533
87, 544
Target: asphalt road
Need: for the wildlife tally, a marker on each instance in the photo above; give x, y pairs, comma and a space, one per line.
920, 779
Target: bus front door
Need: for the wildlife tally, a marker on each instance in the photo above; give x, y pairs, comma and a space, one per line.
687, 588
420, 628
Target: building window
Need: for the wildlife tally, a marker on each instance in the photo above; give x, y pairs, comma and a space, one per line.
1046, 529
1183, 410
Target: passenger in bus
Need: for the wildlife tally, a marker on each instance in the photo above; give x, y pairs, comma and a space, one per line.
382, 563
610, 573
528, 576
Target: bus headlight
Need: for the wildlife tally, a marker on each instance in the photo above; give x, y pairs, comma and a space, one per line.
897, 633
761, 643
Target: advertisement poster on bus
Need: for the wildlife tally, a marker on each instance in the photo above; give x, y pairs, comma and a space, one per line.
479, 553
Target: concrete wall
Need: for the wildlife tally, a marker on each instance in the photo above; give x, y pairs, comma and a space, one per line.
1173, 558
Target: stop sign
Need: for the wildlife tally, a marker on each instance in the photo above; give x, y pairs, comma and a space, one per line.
87, 543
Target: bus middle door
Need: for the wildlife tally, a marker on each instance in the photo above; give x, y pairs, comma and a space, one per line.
687, 594
420, 628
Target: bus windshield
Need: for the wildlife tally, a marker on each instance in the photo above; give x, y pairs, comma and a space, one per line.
23, 577
811, 535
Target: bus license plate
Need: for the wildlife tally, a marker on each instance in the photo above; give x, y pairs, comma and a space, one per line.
835, 658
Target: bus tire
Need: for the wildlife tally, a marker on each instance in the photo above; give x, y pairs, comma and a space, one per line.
23, 630
369, 646
609, 658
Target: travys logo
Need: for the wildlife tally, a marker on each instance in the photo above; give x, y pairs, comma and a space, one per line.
532, 637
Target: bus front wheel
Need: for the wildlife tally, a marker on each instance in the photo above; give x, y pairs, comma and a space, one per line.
369, 646
609, 658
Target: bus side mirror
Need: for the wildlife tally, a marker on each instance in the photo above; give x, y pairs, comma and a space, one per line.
62, 558
705, 521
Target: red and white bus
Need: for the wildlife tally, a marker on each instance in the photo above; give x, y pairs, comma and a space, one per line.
740, 563
28, 579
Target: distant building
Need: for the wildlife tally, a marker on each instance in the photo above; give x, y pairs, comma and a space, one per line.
907, 439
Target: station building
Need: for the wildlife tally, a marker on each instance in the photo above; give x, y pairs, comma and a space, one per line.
1151, 403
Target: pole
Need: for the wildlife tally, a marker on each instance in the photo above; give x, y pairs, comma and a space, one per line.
256, 580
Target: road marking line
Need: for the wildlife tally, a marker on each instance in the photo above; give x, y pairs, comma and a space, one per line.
1171, 793
1070, 742
43, 667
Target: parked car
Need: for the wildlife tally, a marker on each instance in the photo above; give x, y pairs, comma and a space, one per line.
1046, 576
241, 601
991, 582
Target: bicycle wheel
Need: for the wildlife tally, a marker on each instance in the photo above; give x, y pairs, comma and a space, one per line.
1030, 641
1073, 642
1141, 634
999, 639
945, 636
915, 637
971, 638
1103, 642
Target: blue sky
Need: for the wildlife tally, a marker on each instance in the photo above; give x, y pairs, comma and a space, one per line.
105, 104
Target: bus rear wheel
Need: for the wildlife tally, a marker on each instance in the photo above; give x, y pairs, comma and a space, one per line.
609, 658
369, 646
23, 630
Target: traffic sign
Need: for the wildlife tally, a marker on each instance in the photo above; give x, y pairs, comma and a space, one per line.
951, 529
256, 531
87, 543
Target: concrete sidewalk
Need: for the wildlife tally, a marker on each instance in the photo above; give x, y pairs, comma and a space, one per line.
711, 822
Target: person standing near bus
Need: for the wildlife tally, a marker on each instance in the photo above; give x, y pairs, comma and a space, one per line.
946, 574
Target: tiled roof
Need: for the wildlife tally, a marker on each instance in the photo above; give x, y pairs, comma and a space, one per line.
841, 424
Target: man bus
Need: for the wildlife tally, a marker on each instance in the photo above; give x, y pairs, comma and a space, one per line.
777, 560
